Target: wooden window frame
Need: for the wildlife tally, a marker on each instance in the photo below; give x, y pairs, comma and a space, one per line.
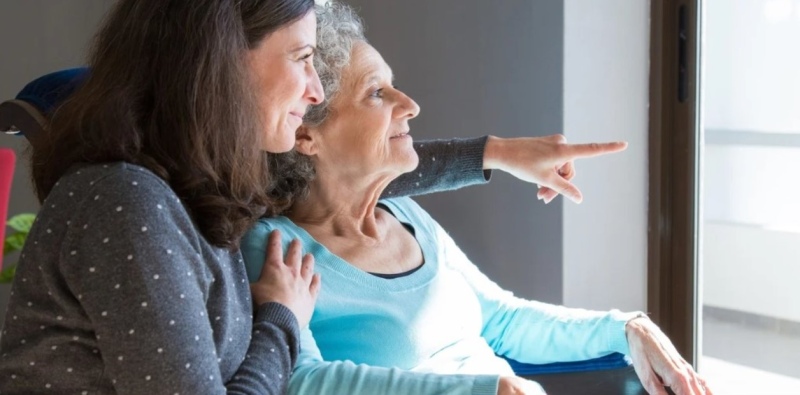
673, 228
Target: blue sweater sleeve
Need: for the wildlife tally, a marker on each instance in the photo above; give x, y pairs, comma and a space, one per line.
535, 332
313, 375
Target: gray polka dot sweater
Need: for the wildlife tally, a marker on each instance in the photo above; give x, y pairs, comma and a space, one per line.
117, 292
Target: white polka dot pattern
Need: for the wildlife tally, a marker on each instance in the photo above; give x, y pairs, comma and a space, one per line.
135, 275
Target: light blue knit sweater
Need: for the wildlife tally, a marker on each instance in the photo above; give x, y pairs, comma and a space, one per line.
438, 330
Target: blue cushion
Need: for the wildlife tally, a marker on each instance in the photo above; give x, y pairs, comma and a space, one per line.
47, 92
611, 361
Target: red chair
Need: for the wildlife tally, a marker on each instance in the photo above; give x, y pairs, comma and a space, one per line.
7, 160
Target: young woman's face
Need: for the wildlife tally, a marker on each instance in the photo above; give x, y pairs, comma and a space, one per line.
285, 81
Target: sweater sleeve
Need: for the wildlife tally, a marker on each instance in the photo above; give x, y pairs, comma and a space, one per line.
313, 375
535, 332
273, 351
138, 272
444, 165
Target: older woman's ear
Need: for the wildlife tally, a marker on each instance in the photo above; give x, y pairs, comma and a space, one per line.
305, 142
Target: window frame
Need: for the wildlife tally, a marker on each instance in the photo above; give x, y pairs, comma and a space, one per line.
673, 208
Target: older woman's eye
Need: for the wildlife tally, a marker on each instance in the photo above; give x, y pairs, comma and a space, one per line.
377, 93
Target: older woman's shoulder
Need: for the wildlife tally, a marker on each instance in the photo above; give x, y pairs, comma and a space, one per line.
254, 241
265, 225
401, 204
407, 210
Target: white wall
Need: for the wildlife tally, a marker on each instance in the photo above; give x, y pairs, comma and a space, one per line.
751, 269
606, 68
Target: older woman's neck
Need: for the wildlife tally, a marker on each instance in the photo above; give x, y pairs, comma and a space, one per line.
341, 206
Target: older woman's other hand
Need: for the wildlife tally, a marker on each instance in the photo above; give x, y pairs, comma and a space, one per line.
288, 280
545, 161
513, 385
658, 364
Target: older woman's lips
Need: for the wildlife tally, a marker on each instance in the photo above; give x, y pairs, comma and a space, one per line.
401, 136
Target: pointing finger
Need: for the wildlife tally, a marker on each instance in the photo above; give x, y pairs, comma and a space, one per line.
594, 149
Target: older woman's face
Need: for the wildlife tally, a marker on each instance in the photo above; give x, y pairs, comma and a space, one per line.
367, 129
285, 81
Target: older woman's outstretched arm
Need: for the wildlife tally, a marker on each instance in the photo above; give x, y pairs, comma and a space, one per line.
547, 161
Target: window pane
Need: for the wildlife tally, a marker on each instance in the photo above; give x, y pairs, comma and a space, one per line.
750, 241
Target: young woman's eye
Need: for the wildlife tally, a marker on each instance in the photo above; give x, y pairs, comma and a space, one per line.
306, 57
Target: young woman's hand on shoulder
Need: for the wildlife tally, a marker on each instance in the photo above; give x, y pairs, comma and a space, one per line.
288, 280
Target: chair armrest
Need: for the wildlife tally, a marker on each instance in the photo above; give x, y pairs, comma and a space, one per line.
29, 112
611, 361
21, 118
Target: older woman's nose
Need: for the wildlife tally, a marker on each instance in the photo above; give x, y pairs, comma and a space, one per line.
409, 108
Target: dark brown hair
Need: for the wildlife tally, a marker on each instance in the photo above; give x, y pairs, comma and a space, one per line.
169, 90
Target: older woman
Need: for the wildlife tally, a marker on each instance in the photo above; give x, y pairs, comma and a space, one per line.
402, 309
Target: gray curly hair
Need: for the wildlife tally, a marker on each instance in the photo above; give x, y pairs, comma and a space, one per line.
338, 29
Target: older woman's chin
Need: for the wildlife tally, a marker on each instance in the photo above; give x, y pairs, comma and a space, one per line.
410, 163
401, 159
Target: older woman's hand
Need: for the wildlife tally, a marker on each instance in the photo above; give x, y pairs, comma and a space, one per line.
658, 364
545, 161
